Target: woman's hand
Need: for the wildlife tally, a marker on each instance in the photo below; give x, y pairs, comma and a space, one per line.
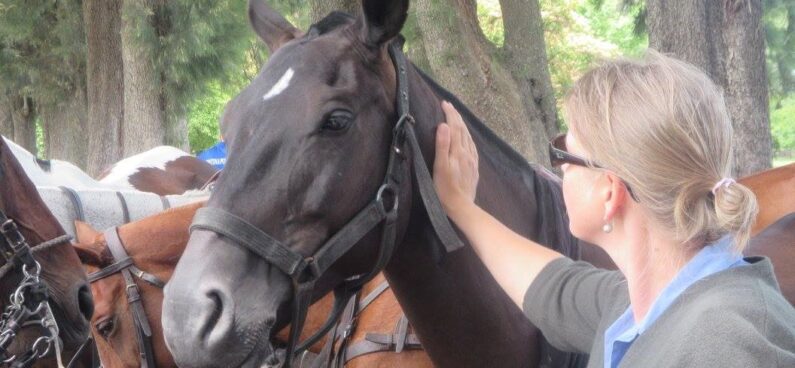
455, 170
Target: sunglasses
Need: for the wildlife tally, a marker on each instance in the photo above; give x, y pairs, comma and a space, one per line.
559, 155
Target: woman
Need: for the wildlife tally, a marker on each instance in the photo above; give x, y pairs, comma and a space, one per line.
646, 167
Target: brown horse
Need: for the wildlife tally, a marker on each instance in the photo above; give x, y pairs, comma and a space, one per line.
777, 242
775, 192
162, 170
112, 323
70, 297
309, 141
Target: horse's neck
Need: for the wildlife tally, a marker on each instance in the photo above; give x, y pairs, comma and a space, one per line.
59, 172
461, 314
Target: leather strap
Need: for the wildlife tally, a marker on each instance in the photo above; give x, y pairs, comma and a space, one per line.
110, 270
124, 209
254, 239
142, 329
77, 204
444, 230
373, 295
165, 202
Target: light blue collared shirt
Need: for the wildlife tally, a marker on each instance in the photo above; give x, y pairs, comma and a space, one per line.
711, 259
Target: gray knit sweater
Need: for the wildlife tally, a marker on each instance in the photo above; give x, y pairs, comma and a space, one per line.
733, 318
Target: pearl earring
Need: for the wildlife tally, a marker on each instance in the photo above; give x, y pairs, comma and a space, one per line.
608, 227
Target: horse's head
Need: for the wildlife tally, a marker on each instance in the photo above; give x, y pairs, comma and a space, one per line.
112, 325
309, 140
70, 297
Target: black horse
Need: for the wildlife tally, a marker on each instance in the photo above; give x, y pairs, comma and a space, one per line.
310, 139
61, 270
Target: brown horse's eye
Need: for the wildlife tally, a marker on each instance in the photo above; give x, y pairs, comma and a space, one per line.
106, 327
337, 121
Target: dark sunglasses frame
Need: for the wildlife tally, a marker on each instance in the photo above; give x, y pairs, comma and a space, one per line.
559, 155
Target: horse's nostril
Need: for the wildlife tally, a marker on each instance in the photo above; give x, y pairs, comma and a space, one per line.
215, 314
85, 302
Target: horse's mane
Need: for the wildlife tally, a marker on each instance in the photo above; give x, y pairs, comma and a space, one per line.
474, 123
553, 229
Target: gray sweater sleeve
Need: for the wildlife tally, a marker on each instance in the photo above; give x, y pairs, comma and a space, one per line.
568, 300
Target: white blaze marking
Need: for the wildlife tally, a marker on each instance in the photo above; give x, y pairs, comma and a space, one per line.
280, 86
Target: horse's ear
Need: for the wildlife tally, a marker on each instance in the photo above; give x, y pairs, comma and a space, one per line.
85, 233
270, 26
90, 253
383, 20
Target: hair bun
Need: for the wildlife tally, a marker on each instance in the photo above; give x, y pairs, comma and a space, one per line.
736, 209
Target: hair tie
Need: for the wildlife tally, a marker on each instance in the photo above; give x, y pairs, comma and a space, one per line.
725, 182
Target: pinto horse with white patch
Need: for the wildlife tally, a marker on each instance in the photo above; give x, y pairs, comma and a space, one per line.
162, 170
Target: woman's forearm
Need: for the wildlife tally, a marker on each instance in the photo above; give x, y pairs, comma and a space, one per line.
513, 260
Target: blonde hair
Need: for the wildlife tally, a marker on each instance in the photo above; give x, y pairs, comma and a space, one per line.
662, 126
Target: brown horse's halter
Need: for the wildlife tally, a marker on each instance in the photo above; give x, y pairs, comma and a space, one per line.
305, 272
124, 264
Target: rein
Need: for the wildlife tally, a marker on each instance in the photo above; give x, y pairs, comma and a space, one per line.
30, 301
305, 272
124, 264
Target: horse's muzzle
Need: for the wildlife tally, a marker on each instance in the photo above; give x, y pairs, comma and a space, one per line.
209, 317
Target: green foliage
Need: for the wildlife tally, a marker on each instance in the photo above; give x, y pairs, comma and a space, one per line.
577, 33
194, 42
782, 126
40, 146
490, 19
245, 56
780, 51
42, 48
205, 114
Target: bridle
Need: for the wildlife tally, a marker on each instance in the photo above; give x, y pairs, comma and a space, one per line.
304, 272
121, 263
29, 303
124, 264
340, 349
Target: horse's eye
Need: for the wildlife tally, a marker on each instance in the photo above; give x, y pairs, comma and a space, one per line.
337, 121
105, 327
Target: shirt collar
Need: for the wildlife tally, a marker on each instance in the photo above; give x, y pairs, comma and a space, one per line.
711, 259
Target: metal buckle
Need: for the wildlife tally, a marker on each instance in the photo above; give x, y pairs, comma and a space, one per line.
379, 197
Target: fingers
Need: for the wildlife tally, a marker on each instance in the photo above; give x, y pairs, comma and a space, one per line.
461, 139
442, 147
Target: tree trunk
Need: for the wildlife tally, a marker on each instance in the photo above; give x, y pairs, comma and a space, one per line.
414, 47
526, 58
321, 8
746, 88
23, 116
466, 63
6, 122
690, 30
144, 118
786, 60
104, 83
177, 132
726, 40
65, 129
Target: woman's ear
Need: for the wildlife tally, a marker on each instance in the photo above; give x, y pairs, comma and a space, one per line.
615, 196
